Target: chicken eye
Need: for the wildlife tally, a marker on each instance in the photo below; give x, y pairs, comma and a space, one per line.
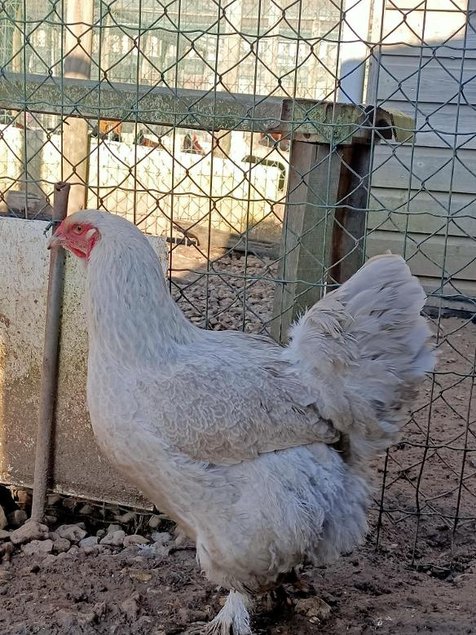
78, 229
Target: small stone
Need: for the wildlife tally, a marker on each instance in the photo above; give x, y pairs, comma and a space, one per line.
17, 518
135, 539
313, 608
115, 538
29, 531
37, 547
73, 533
100, 533
89, 544
24, 497
50, 519
53, 499
131, 607
161, 537
69, 503
86, 510
3, 518
154, 550
4, 534
154, 521
60, 545
140, 575
113, 527
5, 576
73, 550
126, 518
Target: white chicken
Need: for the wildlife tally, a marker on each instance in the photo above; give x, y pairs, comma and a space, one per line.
260, 453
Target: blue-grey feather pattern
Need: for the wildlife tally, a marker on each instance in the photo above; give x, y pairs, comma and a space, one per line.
235, 437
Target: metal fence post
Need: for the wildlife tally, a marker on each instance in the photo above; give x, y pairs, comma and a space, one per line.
77, 65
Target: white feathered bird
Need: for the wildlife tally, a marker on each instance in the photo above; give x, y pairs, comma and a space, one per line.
259, 453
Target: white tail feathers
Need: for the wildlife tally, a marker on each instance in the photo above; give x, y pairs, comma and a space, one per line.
366, 349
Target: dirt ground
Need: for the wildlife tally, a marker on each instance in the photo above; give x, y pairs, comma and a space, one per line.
126, 593
421, 578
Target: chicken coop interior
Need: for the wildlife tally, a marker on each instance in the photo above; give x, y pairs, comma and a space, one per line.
267, 148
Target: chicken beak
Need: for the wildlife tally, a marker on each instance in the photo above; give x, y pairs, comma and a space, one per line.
57, 239
54, 241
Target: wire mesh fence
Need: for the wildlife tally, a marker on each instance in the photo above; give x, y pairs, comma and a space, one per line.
220, 126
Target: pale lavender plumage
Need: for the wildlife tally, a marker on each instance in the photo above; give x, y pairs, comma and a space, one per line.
260, 453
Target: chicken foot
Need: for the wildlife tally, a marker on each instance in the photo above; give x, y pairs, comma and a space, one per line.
233, 619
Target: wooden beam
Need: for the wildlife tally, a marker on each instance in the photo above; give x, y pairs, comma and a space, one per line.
306, 246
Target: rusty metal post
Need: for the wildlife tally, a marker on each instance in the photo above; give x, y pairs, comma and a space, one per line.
77, 65
350, 218
49, 376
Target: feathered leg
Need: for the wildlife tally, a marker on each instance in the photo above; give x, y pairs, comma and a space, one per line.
234, 618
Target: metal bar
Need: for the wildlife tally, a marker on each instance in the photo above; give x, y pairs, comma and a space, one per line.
351, 216
49, 377
77, 65
309, 120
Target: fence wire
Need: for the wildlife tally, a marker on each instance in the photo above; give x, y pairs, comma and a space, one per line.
218, 185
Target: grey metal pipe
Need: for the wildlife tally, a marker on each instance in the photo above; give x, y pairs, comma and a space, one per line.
49, 376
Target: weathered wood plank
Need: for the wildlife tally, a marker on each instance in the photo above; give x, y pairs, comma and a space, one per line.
429, 5
422, 212
439, 81
429, 257
437, 126
306, 245
409, 33
429, 169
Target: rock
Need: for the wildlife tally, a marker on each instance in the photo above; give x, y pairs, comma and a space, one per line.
115, 538
60, 545
37, 547
17, 518
69, 503
53, 499
86, 510
89, 544
24, 498
6, 551
50, 519
73, 533
135, 539
313, 608
31, 530
5, 576
140, 575
4, 534
126, 518
73, 550
161, 537
100, 533
131, 606
154, 550
154, 521
3, 518
112, 528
